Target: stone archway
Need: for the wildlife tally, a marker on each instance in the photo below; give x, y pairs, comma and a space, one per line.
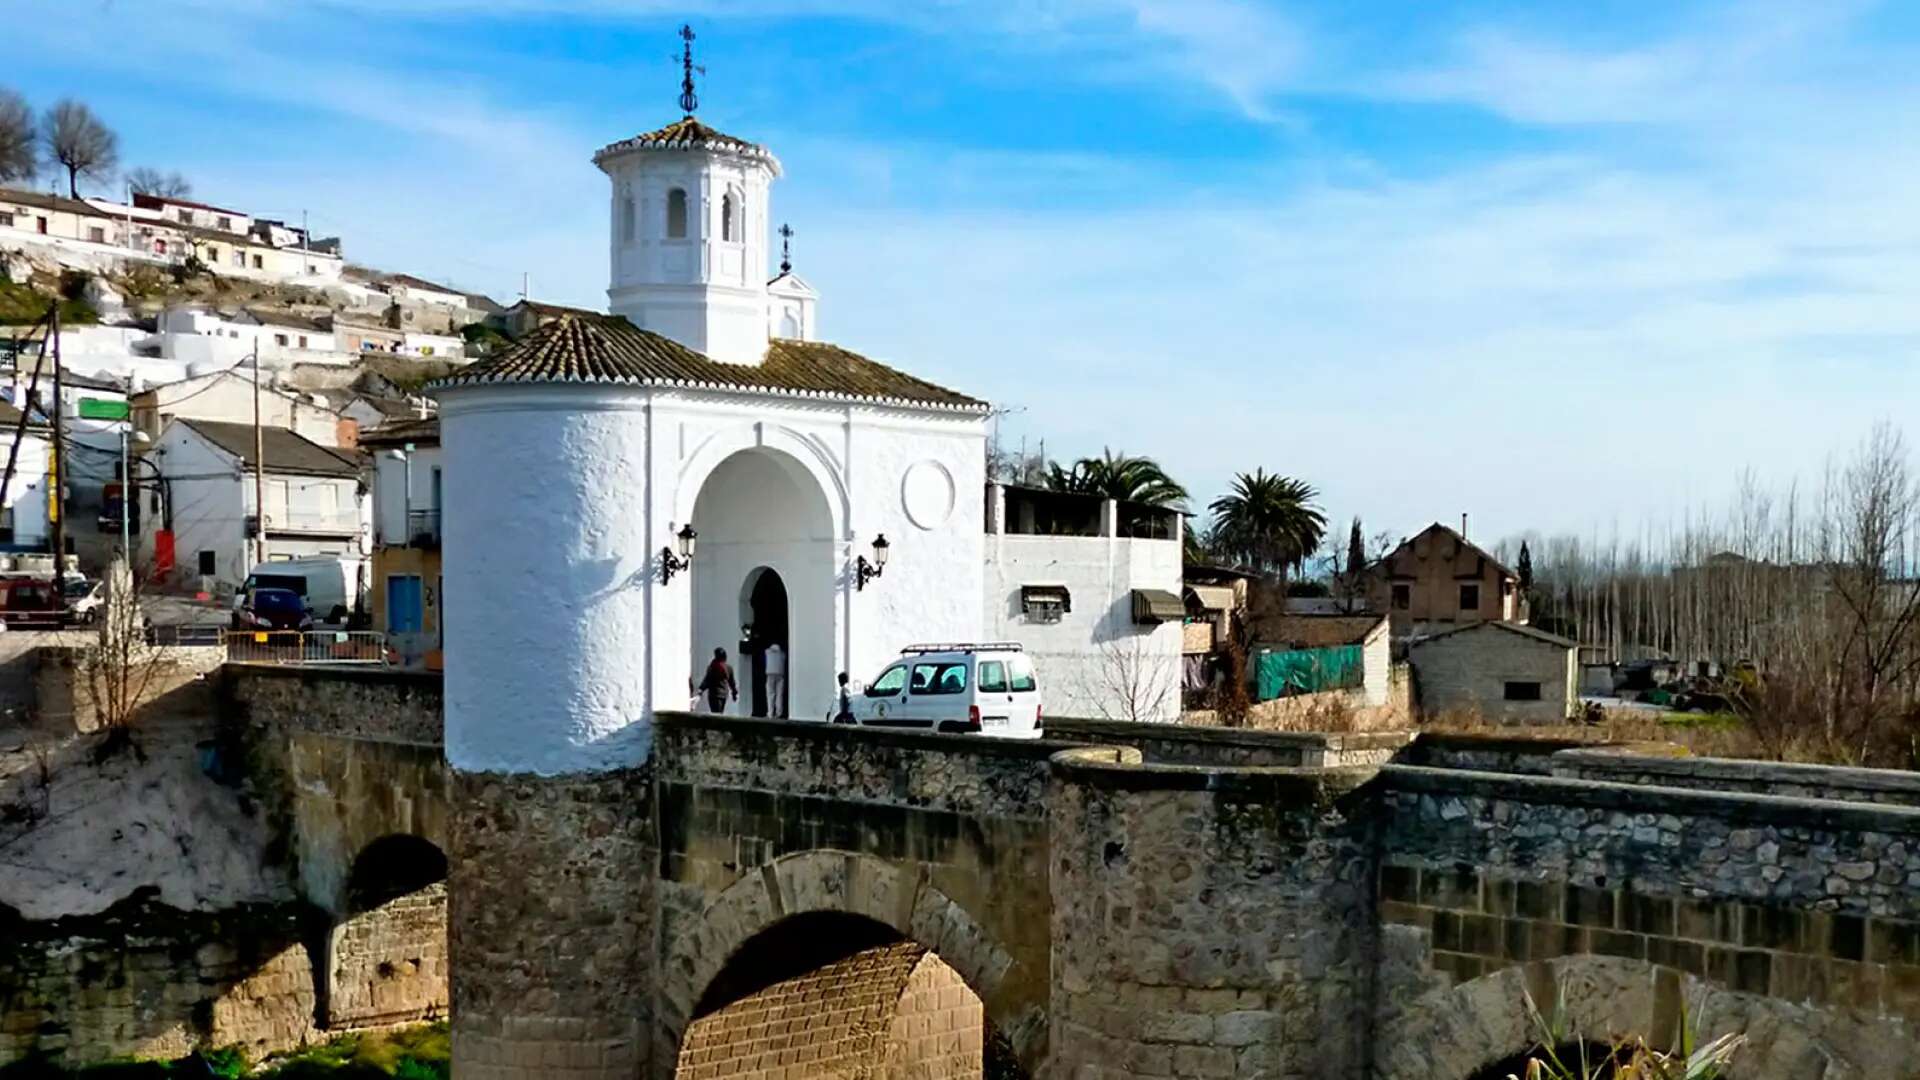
900, 906
1457, 1032
386, 956
763, 520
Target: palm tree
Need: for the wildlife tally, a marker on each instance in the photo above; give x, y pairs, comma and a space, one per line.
1268, 522
1118, 476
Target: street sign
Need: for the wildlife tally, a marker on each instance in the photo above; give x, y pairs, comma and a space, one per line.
103, 409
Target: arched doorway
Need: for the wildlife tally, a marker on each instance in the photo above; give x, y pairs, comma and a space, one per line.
387, 959
765, 571
764, 624
850, 997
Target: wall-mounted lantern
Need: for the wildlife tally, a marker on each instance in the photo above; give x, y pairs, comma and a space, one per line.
864, 571
671, 564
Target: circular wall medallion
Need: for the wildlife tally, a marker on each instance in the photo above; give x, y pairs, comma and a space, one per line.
927, 493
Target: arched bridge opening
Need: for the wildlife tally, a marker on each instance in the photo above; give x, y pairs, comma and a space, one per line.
840, 995
387, 955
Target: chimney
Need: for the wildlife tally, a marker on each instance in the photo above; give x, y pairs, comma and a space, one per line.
1463, 525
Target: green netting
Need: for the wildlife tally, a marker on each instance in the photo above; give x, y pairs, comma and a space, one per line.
1307, 671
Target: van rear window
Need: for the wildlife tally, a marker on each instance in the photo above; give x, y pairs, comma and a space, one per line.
292, 582
993, 677
1021, 670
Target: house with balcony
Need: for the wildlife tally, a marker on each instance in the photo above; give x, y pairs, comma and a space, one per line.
406, 536
315, 500
1091, 588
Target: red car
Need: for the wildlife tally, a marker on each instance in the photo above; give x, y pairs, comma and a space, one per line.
29, 603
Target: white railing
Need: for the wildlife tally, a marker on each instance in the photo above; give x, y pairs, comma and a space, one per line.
308, 648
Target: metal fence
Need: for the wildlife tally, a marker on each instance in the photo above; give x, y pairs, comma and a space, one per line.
312, 648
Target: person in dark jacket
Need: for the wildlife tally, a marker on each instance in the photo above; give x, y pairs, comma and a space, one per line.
718, 683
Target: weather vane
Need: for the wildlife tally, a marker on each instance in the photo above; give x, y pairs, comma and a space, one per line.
786, 252
689, 101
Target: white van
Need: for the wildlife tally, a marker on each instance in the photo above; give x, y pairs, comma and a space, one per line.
330, 584
989, 688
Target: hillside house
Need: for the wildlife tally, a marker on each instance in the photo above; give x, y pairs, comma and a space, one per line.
195, 334
1504, 671
315, 499
228, 396
33, 216
1437, 580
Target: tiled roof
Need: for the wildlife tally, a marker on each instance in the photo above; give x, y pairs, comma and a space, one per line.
286, 451
688, 133
419, 429
49, 202
614, 351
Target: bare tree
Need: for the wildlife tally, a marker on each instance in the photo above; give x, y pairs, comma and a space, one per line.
150, 181
18, 157
121, 670
1130, 682
79, 142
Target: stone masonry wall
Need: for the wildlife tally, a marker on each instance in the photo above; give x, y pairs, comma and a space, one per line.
1883, 786
939, 1028
1771, 903
956, 827
1208, 923
1189, 744
550, 925
389, 964
374, 704
144, 980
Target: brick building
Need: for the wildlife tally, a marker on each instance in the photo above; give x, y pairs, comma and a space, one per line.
1436, 581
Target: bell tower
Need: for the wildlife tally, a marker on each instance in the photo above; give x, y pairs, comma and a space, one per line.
688, 245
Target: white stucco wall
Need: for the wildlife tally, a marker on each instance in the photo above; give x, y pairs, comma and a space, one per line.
1095, 662
228, 396
27, 494
559, 499
209, 507
389, 496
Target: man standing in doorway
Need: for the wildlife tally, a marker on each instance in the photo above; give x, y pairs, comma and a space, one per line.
718, 683
774, 664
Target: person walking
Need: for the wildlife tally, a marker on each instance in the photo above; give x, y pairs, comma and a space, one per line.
718, 683
773, 668
843, 703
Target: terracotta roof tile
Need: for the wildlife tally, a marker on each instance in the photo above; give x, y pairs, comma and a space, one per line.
688, 133
609, 349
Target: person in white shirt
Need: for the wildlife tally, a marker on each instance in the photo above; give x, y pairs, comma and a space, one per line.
774, 664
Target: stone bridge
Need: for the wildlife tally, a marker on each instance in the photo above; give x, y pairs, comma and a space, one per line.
778, 899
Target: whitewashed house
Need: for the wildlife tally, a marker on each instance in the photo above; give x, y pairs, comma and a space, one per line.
194, 334
228, 396
24, 524
315, 498
1092, 588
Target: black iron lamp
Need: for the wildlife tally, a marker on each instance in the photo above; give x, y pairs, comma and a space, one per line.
671, 564
864, 571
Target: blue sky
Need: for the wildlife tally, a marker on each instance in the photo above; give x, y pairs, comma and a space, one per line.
1568, 268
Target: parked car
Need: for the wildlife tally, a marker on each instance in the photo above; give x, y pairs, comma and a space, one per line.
85, 600
330, 585
273, 609
988, 688
29, 602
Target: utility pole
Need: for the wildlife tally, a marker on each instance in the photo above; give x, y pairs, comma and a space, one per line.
259, 466
526, 283
58, 507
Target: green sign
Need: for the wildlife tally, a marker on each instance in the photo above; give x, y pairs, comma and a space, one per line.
102, 409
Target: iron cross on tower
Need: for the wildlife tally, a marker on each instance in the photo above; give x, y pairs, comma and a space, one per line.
786, 253
689, 101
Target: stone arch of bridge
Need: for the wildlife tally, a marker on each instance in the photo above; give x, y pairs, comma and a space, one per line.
898, 901
1461, 1031
386, 950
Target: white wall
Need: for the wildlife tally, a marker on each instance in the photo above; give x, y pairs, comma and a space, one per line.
228, 396
209, 507
559, 499
27, 494
701, 290
1095, 662
390, 491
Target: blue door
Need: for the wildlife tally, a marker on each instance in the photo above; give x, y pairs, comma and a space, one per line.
404, 606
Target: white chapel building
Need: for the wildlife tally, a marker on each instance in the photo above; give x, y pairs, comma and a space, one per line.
583, 463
